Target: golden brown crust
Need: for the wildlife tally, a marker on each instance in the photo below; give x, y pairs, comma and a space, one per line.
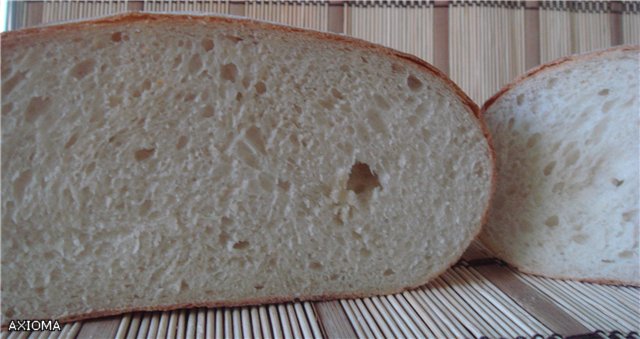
559, 277
239, 303
551, 65
10, 39
585, 280
531, 73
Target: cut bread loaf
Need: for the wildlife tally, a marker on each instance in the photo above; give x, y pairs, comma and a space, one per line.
153, 162
566, 140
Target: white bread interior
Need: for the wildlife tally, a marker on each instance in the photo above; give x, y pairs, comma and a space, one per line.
567, 147
154, 162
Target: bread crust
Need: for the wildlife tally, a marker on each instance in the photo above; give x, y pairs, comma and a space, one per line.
551, 65
584, 280
531, 73
13, 38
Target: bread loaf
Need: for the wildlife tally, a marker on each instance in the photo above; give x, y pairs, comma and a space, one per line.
566, 139
153, 162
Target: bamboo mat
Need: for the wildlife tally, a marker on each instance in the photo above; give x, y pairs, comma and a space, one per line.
478, 297
403, 25
573, 27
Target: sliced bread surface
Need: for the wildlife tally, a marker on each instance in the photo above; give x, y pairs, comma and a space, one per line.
566, 138
155, 161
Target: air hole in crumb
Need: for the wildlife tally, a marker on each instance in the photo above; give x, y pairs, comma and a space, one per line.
616, 182
254, 136
72, 140
9, 85
116, 37
362, 179
426, 134
90, 168
143, 154
82, 69
598, 131
558, 187
239, 97
580, 238
184, 285
395, 68
233, 38
7, 108
414, 83
284, 185
195, 63
552, 221
246, 82
223, 238
36, 107
333, 277
20, 184
627, 216
241, 245
338, 219
189, 97
261, 88
572, 157
208, 111
146, 85
381, 102
510, 123
177, 61
365, 252
114, 100
549, 168
316, 266
229, 72
388, 272
551, 82
207, 44
327, 104
376, 121
520, 99
337, 94
182, 141
225, 221
625, 254
355, 235
258, 287
533, 140
145, 207
604, 92
606, 107
247, 154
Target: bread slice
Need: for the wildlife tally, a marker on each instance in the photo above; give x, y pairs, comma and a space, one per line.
153, 162
566, 139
